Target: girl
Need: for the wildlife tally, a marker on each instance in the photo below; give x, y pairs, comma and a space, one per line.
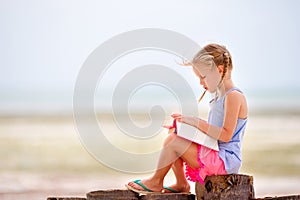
226, 122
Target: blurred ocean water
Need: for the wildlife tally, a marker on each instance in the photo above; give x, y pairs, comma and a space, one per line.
61, 102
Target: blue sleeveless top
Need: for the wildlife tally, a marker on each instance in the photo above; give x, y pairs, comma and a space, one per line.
230, 152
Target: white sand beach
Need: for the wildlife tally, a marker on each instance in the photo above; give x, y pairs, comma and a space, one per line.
43, 156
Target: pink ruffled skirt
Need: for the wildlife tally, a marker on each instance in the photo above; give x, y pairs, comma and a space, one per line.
210, 164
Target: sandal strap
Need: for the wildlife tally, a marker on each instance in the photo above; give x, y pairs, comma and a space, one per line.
171, 189
142, 185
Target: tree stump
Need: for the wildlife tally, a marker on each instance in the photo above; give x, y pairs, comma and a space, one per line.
65, 198
226, 187
168, 196
293, 197
118, 194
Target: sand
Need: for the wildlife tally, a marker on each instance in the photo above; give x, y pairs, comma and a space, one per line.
43, 156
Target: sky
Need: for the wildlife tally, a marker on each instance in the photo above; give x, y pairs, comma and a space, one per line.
43, 44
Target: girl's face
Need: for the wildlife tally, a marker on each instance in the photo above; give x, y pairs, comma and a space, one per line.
209, 78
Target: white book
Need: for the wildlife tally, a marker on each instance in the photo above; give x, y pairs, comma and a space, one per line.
195, 135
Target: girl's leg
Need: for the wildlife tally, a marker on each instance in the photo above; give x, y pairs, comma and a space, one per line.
181, 184
178, 170
174, 148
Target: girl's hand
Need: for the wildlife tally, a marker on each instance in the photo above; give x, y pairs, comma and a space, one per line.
176, 116
184, 119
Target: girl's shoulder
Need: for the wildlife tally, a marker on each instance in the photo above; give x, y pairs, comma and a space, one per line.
235, 94
237, 98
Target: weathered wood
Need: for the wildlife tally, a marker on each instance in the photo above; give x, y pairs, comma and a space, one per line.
293, 197
199, 189
66, 198
226, 187
168, 196
129, 195
117, 194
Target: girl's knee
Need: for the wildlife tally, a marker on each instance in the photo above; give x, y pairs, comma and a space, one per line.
171, 137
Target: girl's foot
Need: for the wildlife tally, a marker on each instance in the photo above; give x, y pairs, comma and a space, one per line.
144, 186
176, 188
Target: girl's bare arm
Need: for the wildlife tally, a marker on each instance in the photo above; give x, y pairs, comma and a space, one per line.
232, 106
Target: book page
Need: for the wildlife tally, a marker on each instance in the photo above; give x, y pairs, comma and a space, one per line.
195, 135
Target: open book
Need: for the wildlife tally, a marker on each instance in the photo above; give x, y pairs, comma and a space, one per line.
195, 135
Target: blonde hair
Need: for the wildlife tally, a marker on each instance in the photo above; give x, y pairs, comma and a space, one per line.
212, 55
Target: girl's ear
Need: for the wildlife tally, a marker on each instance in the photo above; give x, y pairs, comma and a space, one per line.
221, 69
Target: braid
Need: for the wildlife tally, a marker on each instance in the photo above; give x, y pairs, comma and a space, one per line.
227, 63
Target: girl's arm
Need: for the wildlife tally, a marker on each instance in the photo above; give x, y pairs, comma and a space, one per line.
232, 106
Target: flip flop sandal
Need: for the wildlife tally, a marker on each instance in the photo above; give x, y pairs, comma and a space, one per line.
145, 191
171, 189
174, 191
